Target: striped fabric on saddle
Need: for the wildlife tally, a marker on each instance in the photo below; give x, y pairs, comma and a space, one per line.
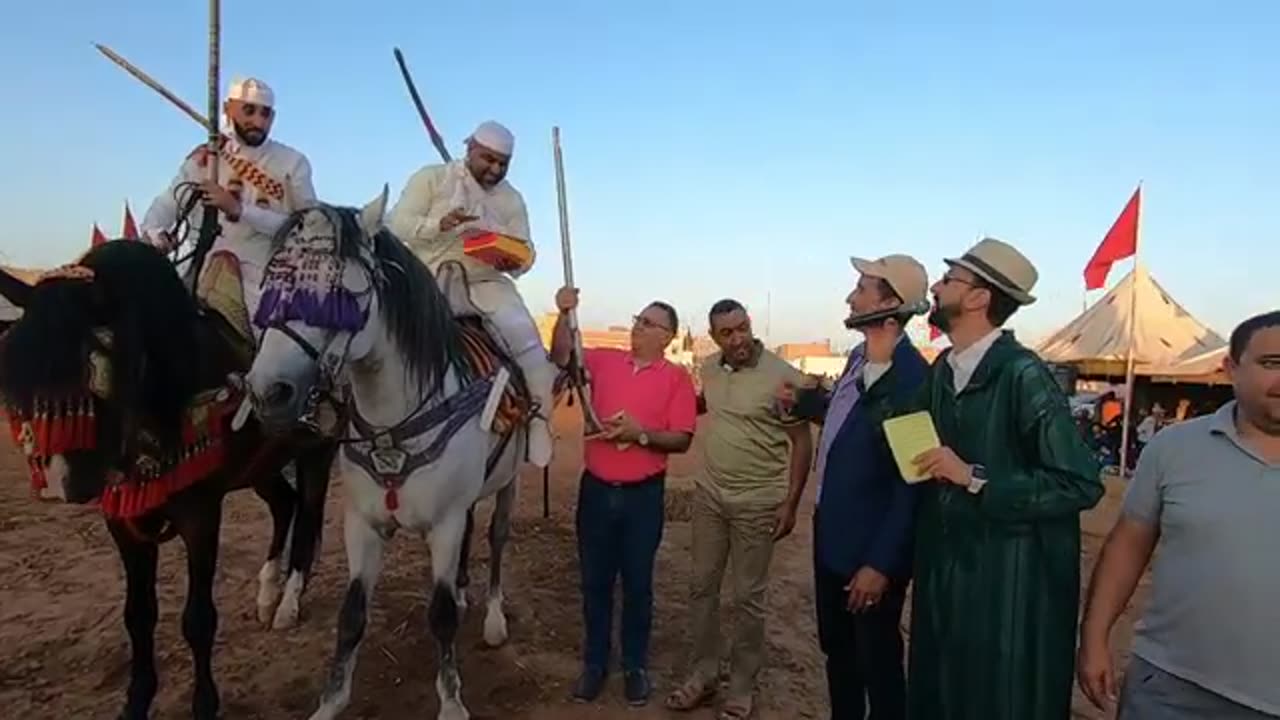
485, 357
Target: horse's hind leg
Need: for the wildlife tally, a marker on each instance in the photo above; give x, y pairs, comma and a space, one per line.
446, 540
199, 526
495, 619
364, 562
313, 467
282, 501
464, 561
140, 612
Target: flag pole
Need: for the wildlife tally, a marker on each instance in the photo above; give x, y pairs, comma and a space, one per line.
1133, 324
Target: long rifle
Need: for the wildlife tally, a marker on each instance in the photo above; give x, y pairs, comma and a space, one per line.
577, 369
209, 227
434, 134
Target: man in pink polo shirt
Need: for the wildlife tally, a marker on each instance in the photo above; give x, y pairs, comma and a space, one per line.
649, 410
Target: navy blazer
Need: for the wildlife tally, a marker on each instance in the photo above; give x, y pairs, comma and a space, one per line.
866, 512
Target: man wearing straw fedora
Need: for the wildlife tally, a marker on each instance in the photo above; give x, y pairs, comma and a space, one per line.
997, 565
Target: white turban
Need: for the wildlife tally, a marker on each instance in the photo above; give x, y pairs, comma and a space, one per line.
251, 90
495, 137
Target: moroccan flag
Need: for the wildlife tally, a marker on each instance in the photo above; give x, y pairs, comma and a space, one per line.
130, 231
97, 238
1121, 242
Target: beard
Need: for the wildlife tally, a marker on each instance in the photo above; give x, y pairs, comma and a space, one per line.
253, 137
942, 316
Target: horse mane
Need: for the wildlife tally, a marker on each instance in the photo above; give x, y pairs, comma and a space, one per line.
417, 314
138, 296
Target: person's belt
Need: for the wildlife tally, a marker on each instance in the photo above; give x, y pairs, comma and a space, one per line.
623, 484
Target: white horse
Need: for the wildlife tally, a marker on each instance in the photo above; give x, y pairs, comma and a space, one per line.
346, 303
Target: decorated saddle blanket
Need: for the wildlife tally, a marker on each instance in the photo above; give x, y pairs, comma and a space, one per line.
485, 357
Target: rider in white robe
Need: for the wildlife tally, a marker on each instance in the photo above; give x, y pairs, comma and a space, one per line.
441, 201
250, 212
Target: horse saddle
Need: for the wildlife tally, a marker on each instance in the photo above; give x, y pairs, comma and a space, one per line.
221, 290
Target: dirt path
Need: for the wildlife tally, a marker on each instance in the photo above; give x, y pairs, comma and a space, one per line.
66, 651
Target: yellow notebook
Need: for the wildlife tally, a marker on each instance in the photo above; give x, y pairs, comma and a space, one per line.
908, 436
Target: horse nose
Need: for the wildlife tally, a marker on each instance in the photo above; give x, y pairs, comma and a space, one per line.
278, 394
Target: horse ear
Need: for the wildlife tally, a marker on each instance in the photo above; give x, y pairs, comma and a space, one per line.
371, 215
14, 289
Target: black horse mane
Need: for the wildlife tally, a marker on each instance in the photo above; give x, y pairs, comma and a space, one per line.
135, 294
418, 316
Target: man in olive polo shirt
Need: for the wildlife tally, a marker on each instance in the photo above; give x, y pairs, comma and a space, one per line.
745, 499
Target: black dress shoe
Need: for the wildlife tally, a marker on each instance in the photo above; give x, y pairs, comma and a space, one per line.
589, 685
637, 687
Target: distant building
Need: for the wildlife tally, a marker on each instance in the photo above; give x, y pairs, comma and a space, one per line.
795, 351
827, 366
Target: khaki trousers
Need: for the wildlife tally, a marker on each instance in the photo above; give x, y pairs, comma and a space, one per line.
737, 534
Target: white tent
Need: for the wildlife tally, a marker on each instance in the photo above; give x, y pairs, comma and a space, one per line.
1205, 368
1164, 333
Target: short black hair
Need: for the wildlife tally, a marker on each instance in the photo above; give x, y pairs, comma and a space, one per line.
1002, 305
723, 307
671, 314
1245, 331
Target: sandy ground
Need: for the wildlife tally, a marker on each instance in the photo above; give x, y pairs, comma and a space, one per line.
65, 650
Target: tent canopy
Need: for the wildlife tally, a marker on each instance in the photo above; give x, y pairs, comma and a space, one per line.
1164, 333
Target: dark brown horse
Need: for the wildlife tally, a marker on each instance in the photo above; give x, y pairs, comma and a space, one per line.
116, 385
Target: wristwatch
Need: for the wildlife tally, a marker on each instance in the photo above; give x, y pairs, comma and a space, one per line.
977, 478
643, 439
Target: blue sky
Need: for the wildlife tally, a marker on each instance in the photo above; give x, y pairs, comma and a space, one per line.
712, 148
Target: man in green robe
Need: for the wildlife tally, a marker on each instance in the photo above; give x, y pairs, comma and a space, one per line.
997, 566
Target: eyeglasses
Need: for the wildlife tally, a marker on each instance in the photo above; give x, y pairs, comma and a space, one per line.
646, 323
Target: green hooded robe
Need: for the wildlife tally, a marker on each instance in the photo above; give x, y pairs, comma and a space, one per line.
997, 574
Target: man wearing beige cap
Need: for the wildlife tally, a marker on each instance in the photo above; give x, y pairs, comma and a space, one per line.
997, 560
440, 207
865, 519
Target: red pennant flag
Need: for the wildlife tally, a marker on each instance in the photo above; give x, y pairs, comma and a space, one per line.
97, 238
130, 231
934, 332
1121, 242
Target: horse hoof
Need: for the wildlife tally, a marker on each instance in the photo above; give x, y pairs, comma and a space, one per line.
266, 613
286, 616
287, 613
453, 710
495, 629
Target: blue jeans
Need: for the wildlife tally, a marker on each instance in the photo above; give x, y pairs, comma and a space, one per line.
619, 529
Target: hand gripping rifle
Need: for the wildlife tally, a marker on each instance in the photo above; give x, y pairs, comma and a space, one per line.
209, 227
577, 370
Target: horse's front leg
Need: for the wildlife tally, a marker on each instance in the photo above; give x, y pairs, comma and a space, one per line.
140, 612
495, 618
442, 616
312, 468
282, 501
199, 524
364, 563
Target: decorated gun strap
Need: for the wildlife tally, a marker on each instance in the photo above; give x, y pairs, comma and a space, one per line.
245, 169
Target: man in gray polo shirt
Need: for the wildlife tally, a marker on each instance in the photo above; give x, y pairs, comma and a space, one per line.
1208, 492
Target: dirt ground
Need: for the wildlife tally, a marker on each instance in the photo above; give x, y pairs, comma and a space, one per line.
65, 650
